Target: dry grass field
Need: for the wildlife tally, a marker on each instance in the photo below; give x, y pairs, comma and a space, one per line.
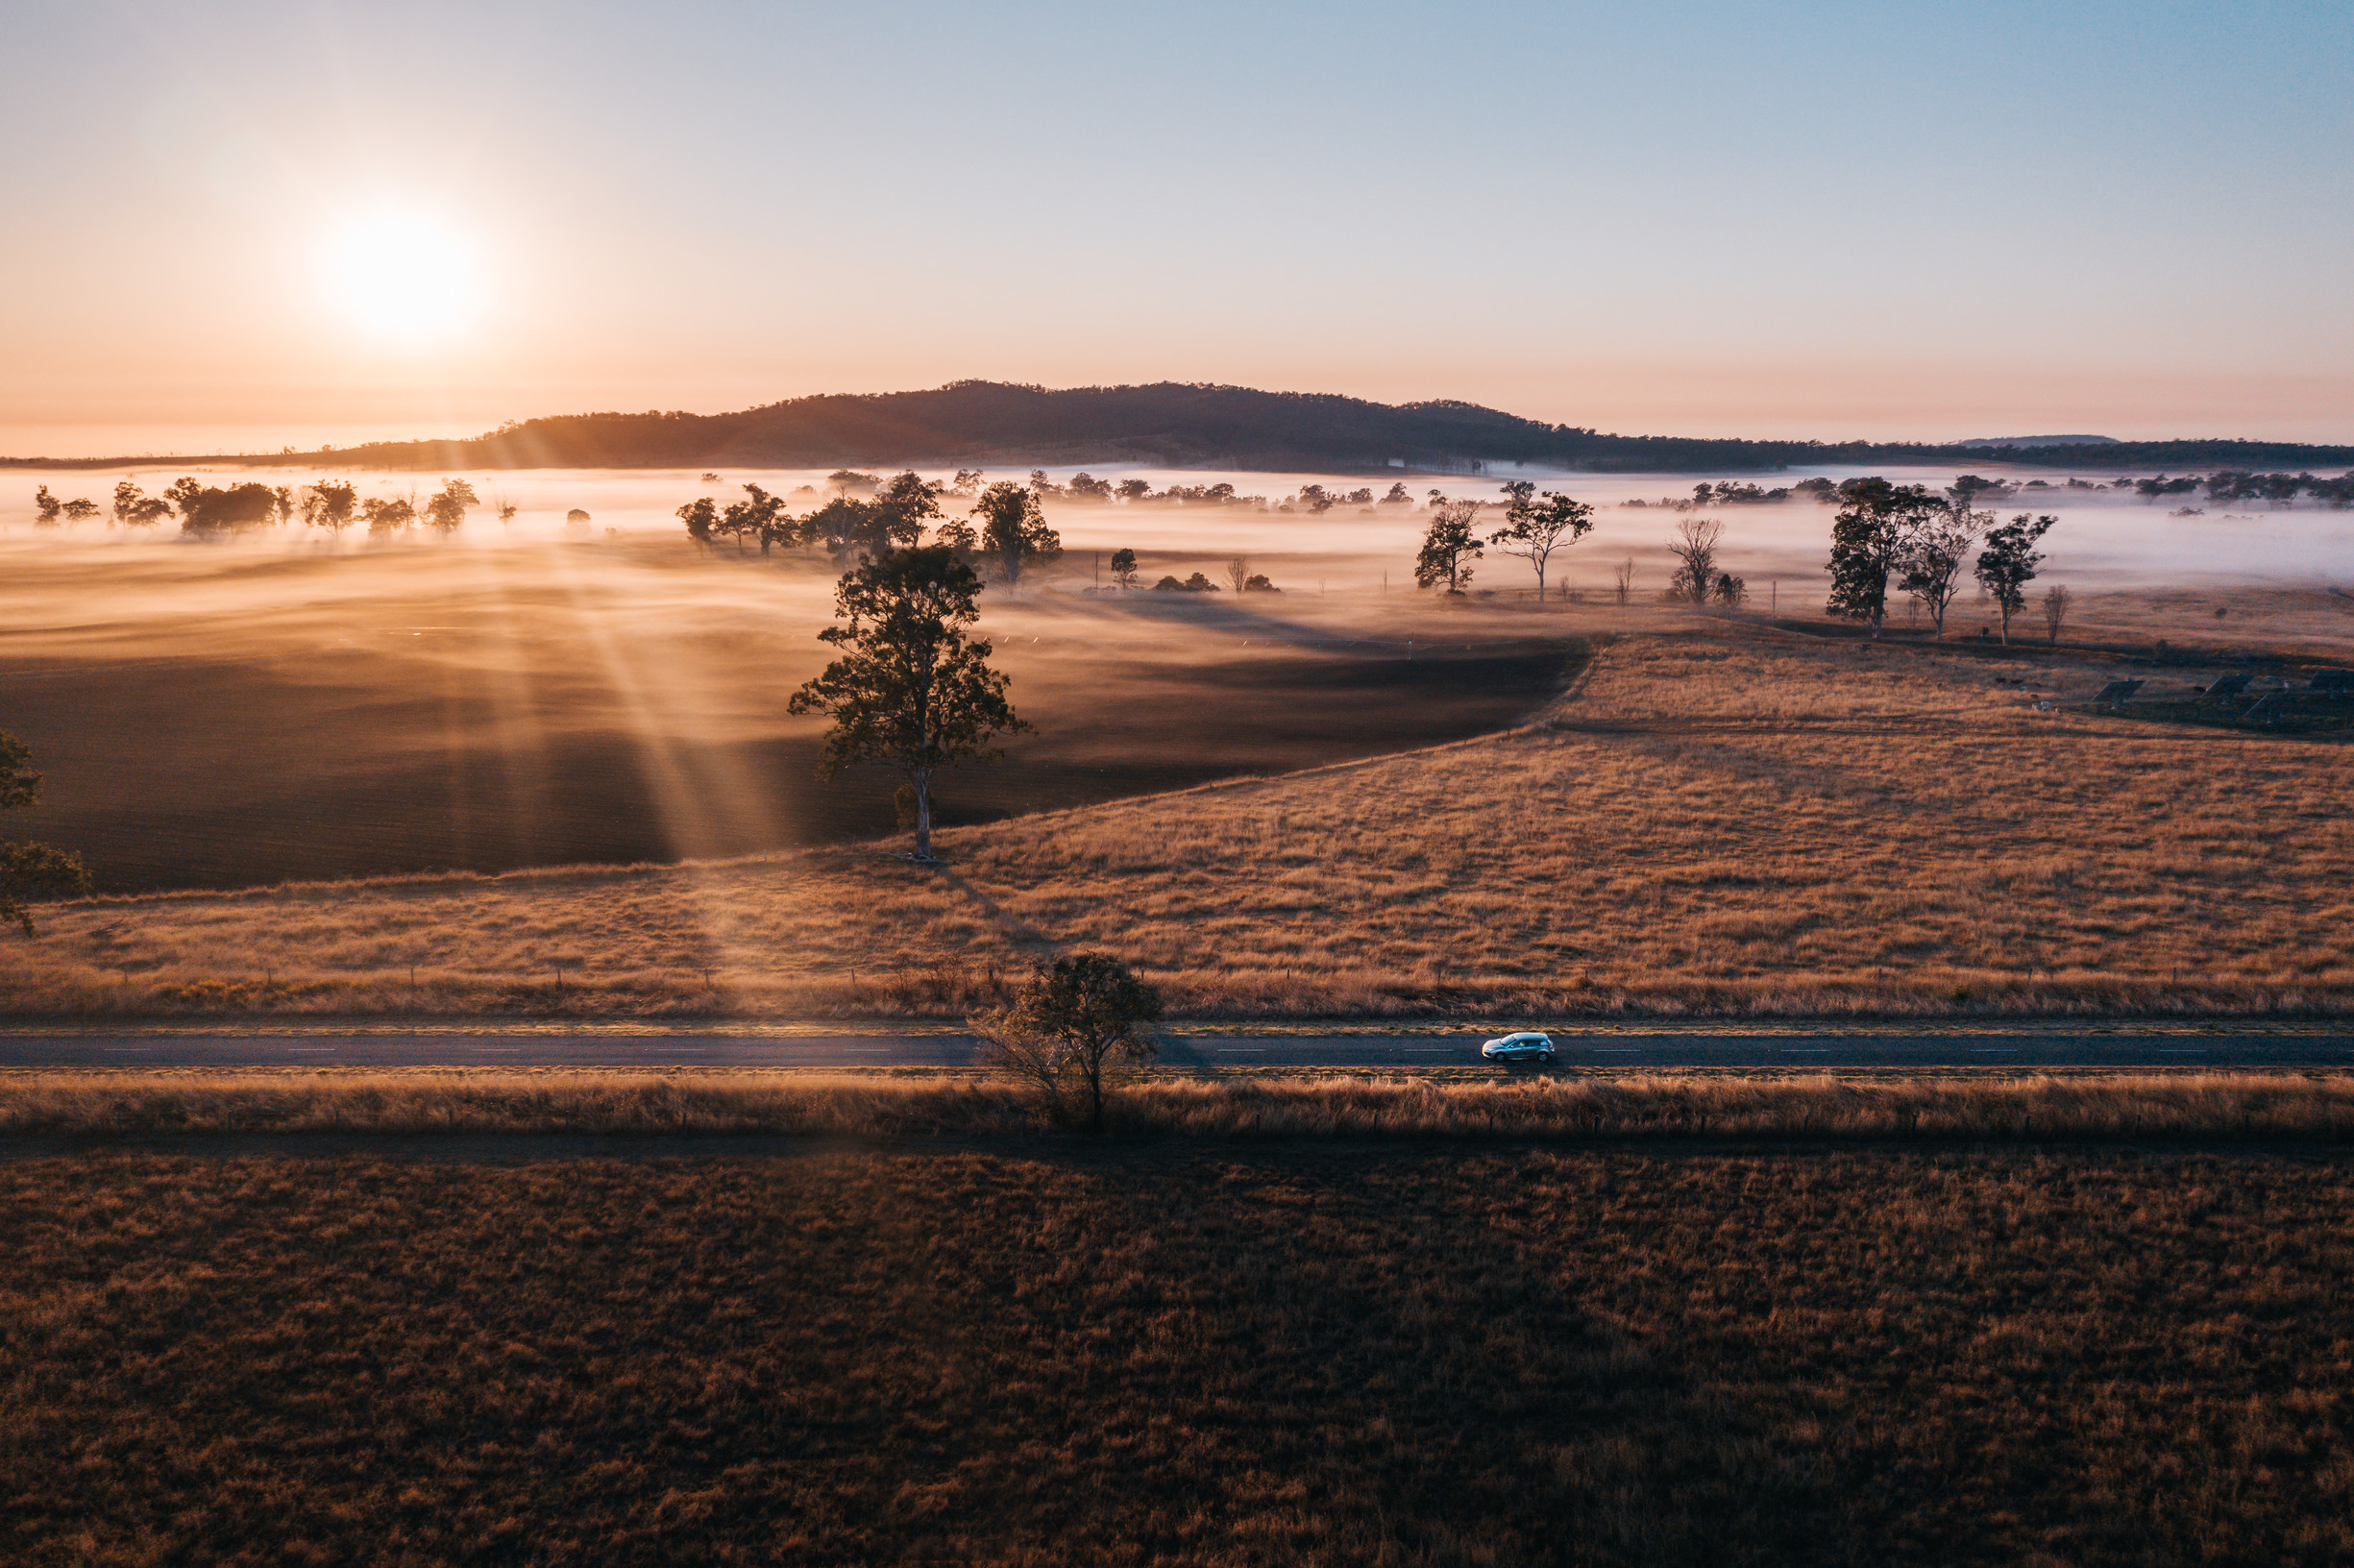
1716, 818
1180, 1354
705, 1103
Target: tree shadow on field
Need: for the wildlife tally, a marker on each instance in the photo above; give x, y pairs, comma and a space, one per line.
1018, 934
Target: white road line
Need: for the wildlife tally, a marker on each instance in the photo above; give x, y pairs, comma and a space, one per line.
1994, 1050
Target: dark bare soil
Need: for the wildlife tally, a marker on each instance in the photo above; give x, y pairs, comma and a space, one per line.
1216, 1355
187, 774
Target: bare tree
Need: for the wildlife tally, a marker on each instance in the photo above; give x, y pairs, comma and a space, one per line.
1238, 572
1069, 1029
1694, 543
1625, 580
1934, 556
2056, 600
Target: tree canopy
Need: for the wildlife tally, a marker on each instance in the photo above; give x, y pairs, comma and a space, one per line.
29, 870
1535, 527
911, 691
1875, 529
1014, 530
1068, 1026
1449, 546
2008, 562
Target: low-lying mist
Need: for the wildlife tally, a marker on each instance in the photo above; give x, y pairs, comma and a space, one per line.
281, 704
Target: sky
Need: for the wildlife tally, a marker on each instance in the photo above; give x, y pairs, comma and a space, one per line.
1876, 219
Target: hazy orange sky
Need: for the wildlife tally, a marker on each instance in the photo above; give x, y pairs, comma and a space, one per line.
1715, 218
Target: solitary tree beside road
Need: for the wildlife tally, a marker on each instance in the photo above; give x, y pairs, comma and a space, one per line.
1067, 1028
911, 690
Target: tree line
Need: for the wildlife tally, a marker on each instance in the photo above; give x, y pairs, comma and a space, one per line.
333, 504
1004, 532
1922, 542
1919, 541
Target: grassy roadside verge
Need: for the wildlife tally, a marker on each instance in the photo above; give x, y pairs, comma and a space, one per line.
2195, 1107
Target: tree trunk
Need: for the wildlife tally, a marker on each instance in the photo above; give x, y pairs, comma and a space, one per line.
923, 816
1091, 1067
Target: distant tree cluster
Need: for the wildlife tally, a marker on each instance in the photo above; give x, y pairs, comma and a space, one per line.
1535, 528
1922, 542
2282, 489
48, 510
210, 511
1240, 577
1003, 533
1086, 488
1726, 493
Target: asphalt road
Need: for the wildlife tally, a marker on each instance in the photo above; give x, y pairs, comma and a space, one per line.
1625, 1048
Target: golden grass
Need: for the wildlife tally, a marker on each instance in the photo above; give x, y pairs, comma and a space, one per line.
1720, 821
1190, 1355
1675, 1106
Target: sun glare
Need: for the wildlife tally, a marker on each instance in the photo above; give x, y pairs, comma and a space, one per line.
404, 277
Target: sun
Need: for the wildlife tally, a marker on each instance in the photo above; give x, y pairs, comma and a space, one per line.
405, 278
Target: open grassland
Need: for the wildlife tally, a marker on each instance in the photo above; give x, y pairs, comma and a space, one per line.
2312, 1107
1180, 1354
1723, 820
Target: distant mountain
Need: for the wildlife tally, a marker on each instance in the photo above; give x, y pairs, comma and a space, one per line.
1171, 424
2041, 441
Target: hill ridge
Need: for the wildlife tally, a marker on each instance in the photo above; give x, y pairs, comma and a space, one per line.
1184, 425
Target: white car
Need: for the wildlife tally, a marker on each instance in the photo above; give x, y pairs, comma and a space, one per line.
1529, 1045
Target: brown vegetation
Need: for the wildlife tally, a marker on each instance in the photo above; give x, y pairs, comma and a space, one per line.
1726, 821
1186, 1355
1679, 1106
